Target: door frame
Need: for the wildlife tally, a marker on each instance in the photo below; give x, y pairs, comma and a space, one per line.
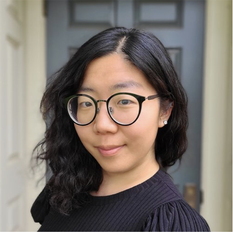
217, 117
33, 81
35, 74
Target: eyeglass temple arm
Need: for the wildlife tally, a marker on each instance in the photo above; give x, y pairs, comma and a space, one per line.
152, 97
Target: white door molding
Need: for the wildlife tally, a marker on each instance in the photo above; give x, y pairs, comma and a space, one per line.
217, 126
22, 73
35, 85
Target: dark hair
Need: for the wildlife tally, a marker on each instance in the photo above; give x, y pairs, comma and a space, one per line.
74, 171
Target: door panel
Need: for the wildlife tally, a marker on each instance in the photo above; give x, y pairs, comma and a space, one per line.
158, 13
179, 24
99, 13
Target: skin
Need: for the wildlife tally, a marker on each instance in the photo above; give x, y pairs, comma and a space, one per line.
125, 153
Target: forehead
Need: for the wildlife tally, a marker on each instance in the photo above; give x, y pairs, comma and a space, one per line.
113, 72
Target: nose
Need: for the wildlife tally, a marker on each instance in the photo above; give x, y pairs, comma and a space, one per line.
103, 124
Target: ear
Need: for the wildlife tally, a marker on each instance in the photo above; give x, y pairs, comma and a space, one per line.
165, 113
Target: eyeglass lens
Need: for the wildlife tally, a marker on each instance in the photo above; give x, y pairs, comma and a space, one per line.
123, 109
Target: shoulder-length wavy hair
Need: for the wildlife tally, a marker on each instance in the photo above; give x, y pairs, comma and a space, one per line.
74, 171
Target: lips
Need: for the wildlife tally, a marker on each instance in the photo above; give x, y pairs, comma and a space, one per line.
109, 150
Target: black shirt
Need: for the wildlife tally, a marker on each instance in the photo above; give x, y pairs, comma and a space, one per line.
154, 205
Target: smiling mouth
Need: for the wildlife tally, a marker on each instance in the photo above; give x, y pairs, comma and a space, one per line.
109, 151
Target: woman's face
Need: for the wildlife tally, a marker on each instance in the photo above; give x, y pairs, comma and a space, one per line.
120, 149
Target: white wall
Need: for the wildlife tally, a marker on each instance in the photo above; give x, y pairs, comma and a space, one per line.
217, 140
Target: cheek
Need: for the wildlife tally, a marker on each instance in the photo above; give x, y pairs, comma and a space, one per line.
143, 132
146, 127
80, 133
149, 118
84, 135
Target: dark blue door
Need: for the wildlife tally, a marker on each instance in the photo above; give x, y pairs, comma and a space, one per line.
178, 24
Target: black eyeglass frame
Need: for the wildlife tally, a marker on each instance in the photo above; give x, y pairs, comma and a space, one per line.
140, 99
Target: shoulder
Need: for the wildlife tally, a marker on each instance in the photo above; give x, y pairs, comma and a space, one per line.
171, 212
41, 206
175, 216
164, 189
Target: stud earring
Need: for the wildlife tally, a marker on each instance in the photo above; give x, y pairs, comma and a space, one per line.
165, 122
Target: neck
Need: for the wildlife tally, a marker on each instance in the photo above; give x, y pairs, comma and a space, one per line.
117, 182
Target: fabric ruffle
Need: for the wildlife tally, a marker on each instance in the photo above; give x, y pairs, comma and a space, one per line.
40, 207
175, 216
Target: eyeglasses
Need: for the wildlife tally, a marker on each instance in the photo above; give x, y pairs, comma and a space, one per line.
123, 108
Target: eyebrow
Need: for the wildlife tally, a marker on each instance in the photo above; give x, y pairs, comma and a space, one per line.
126, 84
86, 89
121, 85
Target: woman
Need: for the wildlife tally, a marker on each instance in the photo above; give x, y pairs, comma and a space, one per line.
117, 118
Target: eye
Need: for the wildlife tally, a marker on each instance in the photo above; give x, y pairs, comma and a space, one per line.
85, 104
125, 102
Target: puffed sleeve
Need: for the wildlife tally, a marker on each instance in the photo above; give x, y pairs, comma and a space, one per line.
175, 216
40, 207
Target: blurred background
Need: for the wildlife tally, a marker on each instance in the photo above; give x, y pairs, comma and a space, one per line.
37, 37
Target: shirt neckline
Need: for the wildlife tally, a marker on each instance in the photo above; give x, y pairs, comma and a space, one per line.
100, 200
